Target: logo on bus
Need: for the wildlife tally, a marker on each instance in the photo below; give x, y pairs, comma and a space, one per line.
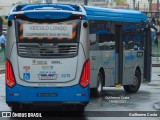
26, 68
26, 76
38, 62
47, 67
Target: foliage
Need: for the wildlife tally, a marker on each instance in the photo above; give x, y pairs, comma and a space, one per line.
4, 20
30, 1
120, 2
36, 1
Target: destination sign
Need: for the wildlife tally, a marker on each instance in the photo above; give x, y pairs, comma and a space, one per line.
47, 30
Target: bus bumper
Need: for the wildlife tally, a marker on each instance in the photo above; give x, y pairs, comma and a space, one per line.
69, 95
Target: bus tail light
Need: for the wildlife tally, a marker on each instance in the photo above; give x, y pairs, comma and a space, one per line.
10, 79
85, 77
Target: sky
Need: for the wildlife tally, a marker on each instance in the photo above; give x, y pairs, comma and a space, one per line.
8, 2
6, 6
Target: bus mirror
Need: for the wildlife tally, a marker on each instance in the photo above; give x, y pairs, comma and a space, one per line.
92, 38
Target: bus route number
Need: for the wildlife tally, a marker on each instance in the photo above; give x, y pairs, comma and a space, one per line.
66, 75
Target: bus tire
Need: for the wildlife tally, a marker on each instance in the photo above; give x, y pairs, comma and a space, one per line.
99, 87
93, 92
80, 108
135, 87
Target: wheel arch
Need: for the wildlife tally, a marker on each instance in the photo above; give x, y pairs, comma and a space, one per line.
139, 70
101, 70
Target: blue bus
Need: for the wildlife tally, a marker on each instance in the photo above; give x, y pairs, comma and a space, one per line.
57, 52
47, 56
120, 49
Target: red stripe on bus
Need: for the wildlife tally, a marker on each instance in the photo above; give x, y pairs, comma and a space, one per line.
30, 38
21, 37
73, 35
21, 27
40, 38
59, 38
49, 38
74, 25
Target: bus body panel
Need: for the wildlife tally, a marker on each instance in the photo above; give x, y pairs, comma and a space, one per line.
110, 14
23, 94
11, 39
47, 70
14, 61
131, 62
35, 76
108, 62
95, 65
102, 60
133, 26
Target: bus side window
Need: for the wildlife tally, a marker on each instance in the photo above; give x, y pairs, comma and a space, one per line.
106, 42
132, 38
106, 36
93, 38
93, 41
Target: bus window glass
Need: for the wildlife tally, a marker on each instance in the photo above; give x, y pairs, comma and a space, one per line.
106, 36
38, 31
132, 37
93, 37
104, 31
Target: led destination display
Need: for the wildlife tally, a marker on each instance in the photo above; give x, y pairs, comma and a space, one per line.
47, 30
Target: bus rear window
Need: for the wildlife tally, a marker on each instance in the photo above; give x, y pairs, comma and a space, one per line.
47, 32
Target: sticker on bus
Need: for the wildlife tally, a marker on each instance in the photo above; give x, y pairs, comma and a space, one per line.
26, 76
26, 68
47, 76
39, 62
47, 30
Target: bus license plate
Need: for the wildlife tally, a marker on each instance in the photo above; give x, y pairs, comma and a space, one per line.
46, 94
47, 76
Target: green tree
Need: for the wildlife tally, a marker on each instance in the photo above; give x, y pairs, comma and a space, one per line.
36, 1
30, 2
120, 2
19, 2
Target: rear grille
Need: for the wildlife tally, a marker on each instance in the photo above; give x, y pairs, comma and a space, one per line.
47, 50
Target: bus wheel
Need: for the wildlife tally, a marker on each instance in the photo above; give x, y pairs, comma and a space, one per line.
136, 84
99, 84
80, 108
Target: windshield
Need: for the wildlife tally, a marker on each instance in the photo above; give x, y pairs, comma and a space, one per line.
47, 31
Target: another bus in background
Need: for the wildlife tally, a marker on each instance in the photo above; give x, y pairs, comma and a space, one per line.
120, 52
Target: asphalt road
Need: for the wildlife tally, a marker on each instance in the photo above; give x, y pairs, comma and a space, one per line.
147, 99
